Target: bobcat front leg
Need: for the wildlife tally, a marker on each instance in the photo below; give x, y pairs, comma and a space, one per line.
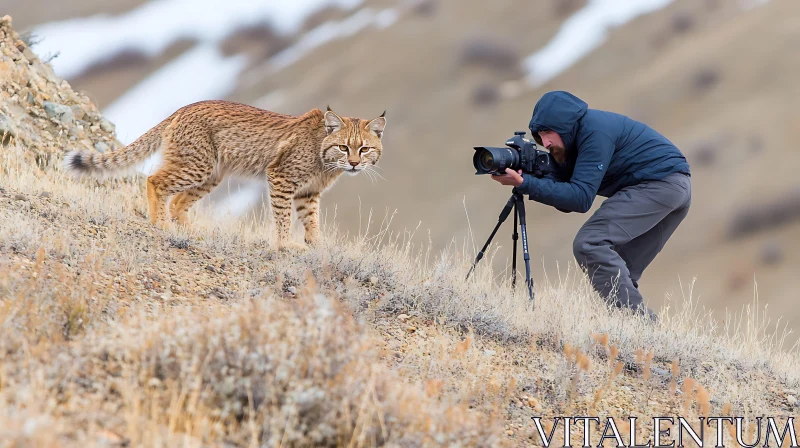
307, 206
281, 191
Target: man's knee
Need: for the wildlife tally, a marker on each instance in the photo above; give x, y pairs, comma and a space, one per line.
581, 247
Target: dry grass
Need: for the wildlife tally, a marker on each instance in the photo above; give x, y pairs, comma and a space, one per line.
263, 371
114, 332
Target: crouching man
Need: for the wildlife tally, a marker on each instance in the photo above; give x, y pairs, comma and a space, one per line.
645, 178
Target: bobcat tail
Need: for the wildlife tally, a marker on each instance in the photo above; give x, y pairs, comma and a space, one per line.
118, 162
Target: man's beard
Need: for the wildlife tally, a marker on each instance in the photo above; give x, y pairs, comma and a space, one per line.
558, 153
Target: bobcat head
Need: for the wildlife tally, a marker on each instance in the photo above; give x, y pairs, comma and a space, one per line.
352, 144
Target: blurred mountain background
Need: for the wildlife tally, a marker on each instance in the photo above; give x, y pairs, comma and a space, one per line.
717, 77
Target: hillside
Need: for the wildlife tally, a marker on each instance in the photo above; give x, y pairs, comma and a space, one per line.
453, 79
452, 74
115, 333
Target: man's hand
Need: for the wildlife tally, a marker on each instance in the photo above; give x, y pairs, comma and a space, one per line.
513, 178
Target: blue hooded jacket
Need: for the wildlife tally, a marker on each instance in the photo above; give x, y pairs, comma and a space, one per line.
605, 151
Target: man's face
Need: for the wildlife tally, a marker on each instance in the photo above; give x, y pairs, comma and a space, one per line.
552, 141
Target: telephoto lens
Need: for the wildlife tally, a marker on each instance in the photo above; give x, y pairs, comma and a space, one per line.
490, 160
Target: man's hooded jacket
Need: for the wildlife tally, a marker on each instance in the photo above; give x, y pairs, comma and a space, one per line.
605, 153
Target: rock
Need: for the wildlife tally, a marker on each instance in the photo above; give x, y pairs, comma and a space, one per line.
59, 112
373, 280
292, 289
77, 111
29, 55
107, 125
7, 127
102, 147
403, 317
31, 99
45, 194
792, 400
112, 438
49, 74
20, 197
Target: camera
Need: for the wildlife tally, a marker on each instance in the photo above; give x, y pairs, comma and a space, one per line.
519, 153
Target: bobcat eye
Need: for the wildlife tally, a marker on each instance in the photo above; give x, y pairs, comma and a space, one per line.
343, 149
365, 150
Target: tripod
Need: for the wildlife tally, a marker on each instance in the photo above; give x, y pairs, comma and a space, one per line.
517, 203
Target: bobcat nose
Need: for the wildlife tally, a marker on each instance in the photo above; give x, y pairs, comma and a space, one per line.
353, 163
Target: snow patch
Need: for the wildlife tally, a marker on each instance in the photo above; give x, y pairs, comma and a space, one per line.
583, 32
239, 202
151, 164
331, 31
152, 27
200, 74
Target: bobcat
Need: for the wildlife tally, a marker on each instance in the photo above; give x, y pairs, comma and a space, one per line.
201, 143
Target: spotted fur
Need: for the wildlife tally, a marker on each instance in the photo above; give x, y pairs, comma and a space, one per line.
302, 156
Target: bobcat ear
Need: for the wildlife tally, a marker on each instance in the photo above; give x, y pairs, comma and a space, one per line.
333, 122
377, 125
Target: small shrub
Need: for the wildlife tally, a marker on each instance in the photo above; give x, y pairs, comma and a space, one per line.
260, 38
771, 253
178, 242
30, 38
321, 16
563, 8
124, 60
424, 8
487, 52
759, 217
298, 373
706, 153
705, 79
485, 94
682, 22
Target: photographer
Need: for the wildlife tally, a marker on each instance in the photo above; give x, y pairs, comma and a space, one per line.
644, 176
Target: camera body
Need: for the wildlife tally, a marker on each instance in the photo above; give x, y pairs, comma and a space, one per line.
519, 154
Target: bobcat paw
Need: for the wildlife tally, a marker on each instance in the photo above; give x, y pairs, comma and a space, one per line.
291, 246
163, 224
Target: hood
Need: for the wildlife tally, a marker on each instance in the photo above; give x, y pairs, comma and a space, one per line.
558, 111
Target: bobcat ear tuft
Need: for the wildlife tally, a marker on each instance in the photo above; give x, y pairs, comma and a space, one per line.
333, 122
329, 108
377, 126
383, 114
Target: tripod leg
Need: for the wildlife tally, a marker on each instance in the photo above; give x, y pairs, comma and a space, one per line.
514, 238
503, 215
520, 208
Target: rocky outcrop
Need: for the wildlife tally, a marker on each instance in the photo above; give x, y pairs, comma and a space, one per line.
41, 112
